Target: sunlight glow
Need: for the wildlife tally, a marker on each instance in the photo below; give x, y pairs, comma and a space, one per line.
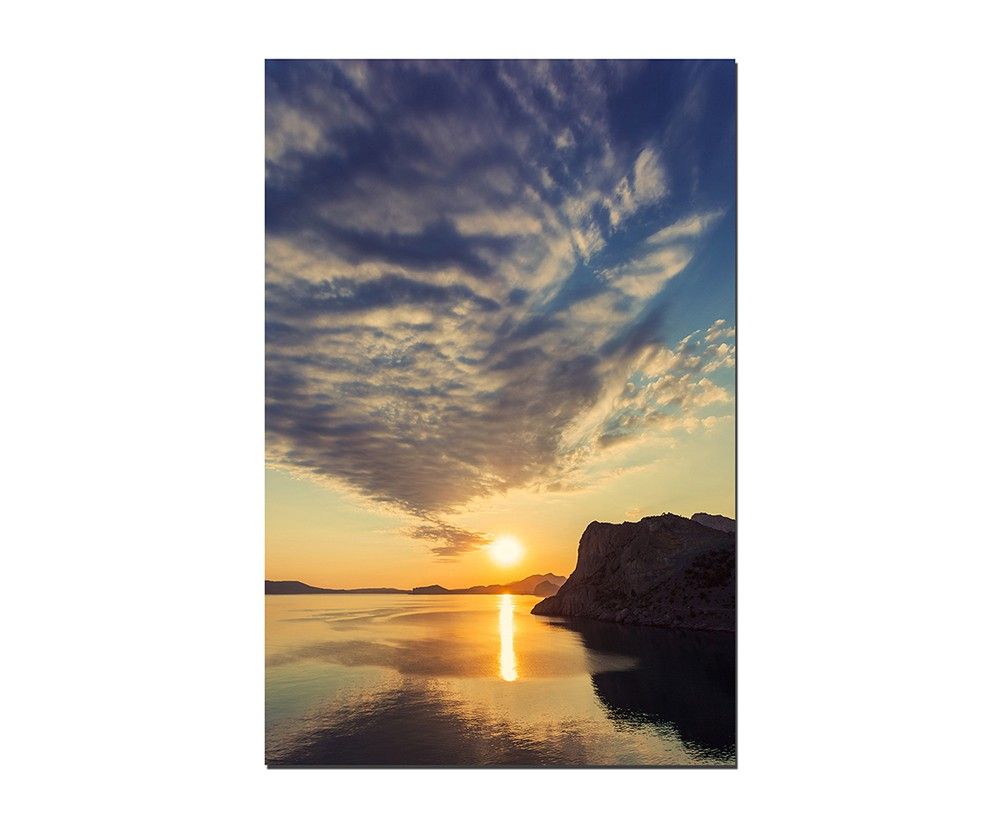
506, 550
508, 662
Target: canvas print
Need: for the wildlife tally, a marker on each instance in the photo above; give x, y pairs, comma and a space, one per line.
500, 463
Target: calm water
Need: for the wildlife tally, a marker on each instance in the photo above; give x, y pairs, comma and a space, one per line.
478, 680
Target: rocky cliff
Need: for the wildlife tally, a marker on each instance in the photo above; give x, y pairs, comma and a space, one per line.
714, 521
664, 570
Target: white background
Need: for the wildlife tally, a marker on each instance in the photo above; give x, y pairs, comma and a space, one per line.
132, 335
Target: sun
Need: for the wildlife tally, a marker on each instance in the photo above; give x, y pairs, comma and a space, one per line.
506, 550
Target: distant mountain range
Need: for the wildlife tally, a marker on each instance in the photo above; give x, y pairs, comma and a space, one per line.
298, 588
542, 585
526, 586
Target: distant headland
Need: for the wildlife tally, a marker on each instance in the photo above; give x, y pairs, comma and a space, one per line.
541, 585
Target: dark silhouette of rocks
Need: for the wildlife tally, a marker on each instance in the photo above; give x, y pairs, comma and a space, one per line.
665, 570
433, 589
714, 521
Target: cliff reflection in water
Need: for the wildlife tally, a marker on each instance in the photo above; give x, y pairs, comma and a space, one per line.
684, 681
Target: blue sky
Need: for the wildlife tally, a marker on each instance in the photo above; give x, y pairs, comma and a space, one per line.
489, 276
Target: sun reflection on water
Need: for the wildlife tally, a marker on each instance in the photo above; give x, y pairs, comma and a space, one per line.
403, 679
508, 662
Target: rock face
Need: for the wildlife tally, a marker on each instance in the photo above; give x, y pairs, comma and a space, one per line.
714, 521
664, 570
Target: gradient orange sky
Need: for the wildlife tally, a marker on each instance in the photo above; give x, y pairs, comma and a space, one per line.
335, 539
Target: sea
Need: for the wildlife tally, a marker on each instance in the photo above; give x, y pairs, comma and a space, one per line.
477, 680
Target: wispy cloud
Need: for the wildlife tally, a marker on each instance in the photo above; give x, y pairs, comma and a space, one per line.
690, 227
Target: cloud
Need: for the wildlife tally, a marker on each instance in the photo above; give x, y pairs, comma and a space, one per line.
646, 185
644, 276
707, 393
451, 540
665, 390
450, 309
712, 421
719, 330
650, 180
689, 227
722, 355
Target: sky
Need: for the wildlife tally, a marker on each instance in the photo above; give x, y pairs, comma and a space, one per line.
500, 300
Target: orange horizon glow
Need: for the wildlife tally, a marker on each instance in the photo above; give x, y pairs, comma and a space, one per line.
330, 538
